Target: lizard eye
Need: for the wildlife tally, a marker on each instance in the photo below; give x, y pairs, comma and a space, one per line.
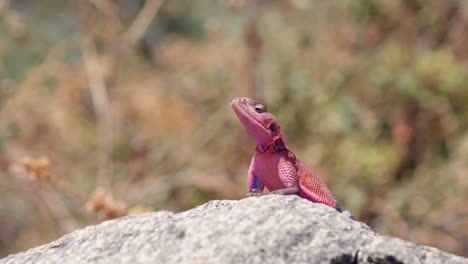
259, 108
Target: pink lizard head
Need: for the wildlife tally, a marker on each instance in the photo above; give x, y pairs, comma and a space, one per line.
260, 124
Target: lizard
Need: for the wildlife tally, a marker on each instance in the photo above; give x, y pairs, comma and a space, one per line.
274, 165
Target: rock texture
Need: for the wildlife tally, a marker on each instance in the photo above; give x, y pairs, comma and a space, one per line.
266, 229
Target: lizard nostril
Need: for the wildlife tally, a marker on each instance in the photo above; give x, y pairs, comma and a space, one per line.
236, 100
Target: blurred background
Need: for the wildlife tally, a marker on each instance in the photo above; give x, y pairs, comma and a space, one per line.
115, 107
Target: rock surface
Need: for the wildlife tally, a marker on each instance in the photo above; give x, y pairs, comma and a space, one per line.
266, 229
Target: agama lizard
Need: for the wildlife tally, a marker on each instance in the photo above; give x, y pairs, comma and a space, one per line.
274, 165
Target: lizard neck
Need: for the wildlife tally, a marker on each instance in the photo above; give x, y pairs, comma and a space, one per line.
276, 145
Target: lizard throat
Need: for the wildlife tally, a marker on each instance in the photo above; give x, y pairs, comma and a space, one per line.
277, 145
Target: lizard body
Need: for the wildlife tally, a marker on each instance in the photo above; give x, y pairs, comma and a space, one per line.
275, 166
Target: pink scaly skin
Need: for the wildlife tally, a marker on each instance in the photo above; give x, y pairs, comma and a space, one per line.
274, 165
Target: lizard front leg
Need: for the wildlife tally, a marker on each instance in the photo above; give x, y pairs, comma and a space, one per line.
287, 174
254, 185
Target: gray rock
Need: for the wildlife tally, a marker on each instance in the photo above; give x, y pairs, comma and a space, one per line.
266, 229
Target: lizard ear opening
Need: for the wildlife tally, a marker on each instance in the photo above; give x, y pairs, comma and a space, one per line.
272, 127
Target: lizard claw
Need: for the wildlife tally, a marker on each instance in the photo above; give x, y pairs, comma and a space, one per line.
255, 192
349, 215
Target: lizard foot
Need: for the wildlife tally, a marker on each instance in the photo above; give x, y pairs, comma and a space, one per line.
255, 192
